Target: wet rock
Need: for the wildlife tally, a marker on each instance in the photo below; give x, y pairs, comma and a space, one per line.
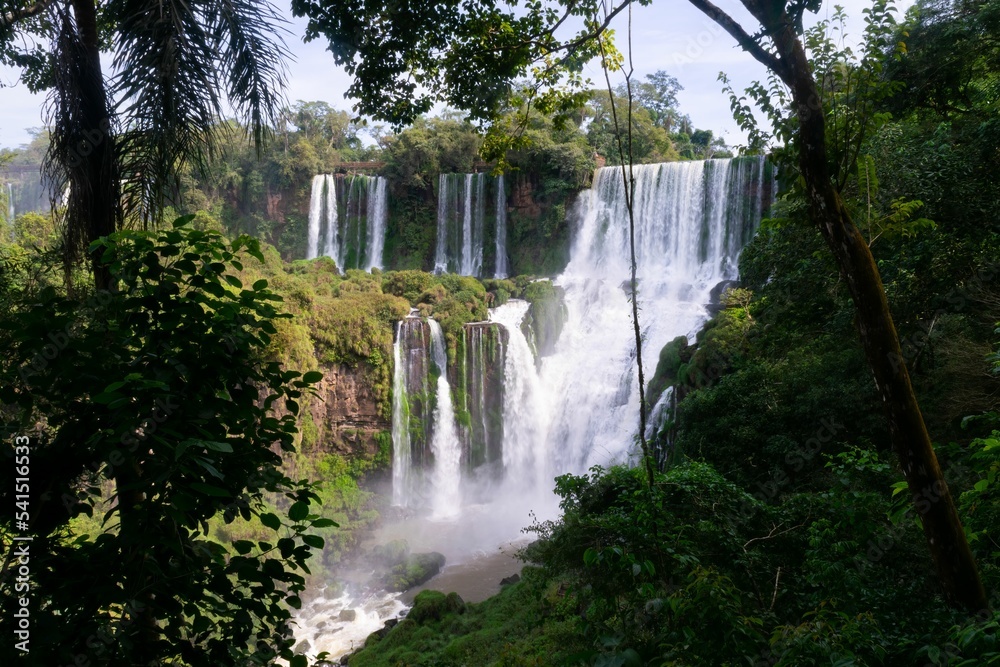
512, 579
715, 296
302, 647
413, 571
348, 615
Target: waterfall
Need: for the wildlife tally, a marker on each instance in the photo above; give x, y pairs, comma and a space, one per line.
377, 217
410, 398
461, 224
348, 225
501, 233
400, 424
446, 476
525, 458
332, 233
577, 405
691, 221
10, 204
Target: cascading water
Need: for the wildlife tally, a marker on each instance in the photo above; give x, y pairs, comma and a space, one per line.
447, 449
347, 220
461, 224
410, 399
581, 407
525, 456
400, 424
10, 203
378, 215
691, 221
501, 233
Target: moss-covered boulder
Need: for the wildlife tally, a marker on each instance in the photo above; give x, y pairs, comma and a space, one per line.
415, 570
431, 606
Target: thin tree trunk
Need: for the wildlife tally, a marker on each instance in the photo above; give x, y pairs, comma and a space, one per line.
956, 566
949, 547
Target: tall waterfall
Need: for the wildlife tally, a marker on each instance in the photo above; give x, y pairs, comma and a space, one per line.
461, 225
347, 220
10, 204
692, 219
525, 457
501, 233
446, 476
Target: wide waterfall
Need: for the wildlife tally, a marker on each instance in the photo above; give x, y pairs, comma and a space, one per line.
578, 404
462, 231
347, 220
509, 415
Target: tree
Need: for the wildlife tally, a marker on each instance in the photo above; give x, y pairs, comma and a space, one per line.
658, 94
391, 49
117, 141
144, 413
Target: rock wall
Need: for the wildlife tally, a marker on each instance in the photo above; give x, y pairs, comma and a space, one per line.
347, 412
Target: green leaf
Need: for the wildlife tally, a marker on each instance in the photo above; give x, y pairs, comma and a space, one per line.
218, 446
325, 523
234, 281
982, 485
298, 661
209, 489
298, 511
315, 541
270, 520
243, 547
312, 377
259, 285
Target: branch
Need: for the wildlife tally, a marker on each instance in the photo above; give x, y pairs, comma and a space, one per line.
15, 15
749, 44
582, 39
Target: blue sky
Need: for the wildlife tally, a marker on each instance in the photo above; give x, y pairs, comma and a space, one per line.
667, 35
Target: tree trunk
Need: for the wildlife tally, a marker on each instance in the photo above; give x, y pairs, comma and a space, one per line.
946, 539
91, 163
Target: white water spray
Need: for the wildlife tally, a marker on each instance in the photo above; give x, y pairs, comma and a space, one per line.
525, 457
501, 235
447, 449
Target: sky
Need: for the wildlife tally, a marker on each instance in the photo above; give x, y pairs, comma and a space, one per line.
668, 35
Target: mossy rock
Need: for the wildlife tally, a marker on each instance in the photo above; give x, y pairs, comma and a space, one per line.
392, 553
431, 606
413, 571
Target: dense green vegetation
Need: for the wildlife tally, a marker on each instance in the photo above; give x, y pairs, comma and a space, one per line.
173, 414
780, 531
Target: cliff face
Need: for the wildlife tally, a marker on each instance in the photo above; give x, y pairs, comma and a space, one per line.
347, 412
478, 381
